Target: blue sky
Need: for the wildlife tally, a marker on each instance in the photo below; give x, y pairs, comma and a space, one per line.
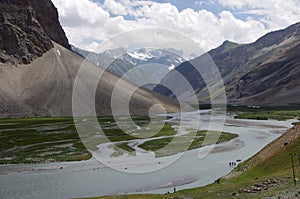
207, 22
196, 5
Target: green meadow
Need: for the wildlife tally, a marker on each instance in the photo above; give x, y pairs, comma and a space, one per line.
34, 140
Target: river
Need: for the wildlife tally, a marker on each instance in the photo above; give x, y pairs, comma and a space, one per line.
91, 178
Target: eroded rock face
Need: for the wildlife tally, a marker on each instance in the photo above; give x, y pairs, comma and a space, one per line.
47, 16
26, 30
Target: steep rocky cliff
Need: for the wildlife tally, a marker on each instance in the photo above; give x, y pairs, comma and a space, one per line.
26, 30
47, 16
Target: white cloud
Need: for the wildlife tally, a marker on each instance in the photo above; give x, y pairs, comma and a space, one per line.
204, 2
80, 13
234, 4
116, 25
246, 31
276, 13
86, 22
115, 7
92, 46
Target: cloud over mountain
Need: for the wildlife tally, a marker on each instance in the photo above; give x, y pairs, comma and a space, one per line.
89, 22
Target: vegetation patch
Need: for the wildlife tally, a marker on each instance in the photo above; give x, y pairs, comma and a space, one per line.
33, 140
270, 114
181, 143
40, 140
121, 148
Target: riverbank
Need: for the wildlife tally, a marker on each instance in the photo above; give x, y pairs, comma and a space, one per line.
267, 174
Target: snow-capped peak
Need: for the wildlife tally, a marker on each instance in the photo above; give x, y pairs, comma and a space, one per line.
172, 67
138, 55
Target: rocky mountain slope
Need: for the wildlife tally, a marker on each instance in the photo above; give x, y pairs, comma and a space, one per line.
27, 34
47, 16
263, 72
37, 75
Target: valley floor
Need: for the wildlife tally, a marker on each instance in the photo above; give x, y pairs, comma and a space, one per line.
37, 140
267, 175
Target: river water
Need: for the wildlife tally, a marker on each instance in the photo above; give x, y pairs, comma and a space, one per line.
91, 178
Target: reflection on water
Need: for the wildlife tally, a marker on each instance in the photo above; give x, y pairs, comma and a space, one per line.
90, 178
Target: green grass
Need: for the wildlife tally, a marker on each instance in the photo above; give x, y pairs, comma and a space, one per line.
125, 147
270, 114
33, 140
188, 141
277, 167
121, 148
40, 140
112, 133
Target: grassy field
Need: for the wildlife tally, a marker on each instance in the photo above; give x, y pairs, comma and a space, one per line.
40, 140
34, 140
190, 140
265, 114
277, 167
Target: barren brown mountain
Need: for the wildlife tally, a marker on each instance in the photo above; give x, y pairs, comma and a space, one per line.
265, 72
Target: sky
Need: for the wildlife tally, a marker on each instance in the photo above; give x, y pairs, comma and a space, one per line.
208, 23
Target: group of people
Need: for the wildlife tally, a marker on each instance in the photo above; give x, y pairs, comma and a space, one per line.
232, 164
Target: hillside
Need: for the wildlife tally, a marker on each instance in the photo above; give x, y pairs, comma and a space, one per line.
277, 146
37, 74
264, 72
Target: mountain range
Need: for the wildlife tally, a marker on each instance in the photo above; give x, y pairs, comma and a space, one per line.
38, 70
265, 72
143, 63
169, 58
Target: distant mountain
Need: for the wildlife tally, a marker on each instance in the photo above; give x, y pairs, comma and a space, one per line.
37, 75
146, 62
170, 58
264, 72
167, 57
103, 60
